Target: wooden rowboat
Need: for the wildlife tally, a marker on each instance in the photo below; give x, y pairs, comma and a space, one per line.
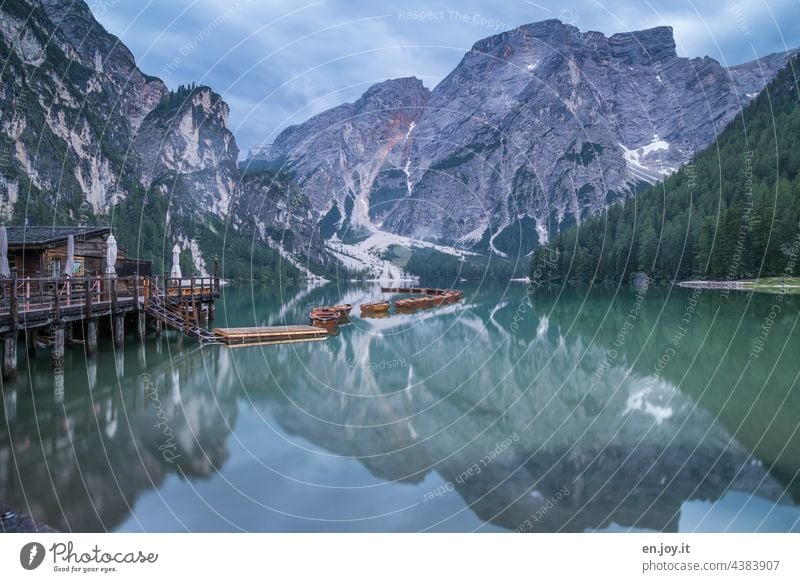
376, 307
408, 304
324, 315
344, 308
439, 300
427, 302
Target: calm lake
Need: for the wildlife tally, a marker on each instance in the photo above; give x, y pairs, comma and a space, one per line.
578, 410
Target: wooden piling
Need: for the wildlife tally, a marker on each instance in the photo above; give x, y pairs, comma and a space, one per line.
14, 305
30, 342
118, 329
10, 356
141, 321
58, 347
91, 336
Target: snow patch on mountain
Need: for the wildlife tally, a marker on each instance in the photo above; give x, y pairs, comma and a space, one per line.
369, 256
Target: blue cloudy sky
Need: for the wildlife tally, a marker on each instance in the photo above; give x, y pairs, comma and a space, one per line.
277, 62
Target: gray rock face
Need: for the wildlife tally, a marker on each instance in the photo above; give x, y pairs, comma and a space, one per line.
187, 135
87, 42
71, 96
82, 130
534, 129
346, 153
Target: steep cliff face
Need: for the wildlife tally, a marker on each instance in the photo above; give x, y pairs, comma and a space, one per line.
87, 42
63, 124
88, 137
533, 130
186, 136
344, 158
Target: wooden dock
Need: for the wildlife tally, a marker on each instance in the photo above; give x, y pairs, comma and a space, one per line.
414, 290
59, 308
241, 336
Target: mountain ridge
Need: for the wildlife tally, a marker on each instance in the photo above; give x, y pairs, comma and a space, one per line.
89, 138
534, 130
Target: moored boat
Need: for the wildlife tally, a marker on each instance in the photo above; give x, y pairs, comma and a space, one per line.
375, 307
428, 301
407, 304
324, 315
451, 297
344, 308
438, 299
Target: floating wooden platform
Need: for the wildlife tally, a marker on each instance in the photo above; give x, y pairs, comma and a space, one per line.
238, 336
414, 290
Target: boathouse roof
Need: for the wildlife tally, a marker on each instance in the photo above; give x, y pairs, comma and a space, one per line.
34, 236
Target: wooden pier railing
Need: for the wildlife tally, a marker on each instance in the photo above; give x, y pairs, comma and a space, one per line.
50, 304
28, 297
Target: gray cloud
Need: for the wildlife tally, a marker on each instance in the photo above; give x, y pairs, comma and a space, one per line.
279, 62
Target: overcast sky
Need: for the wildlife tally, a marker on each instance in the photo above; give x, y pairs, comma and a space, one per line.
277, 62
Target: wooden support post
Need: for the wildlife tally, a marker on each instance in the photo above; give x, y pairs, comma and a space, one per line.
112, 285
91, 336
56, 303
141, 321
118, 329
58, 347
146, 292
216, 276
14, 306
10, 356
158, 328
88, 305
30, 342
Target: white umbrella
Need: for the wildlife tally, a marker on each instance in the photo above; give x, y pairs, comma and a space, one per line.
4, 270
111, 255
175, 273
69, 265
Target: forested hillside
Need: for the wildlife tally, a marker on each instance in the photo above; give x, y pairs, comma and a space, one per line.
734, 212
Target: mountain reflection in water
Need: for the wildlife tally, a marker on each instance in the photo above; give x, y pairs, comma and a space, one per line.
454, 418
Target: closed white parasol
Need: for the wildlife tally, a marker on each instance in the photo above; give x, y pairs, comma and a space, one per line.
4, 270
175, 273
69, 265
111, 255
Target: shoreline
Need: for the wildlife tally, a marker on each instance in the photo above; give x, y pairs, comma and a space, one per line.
775, 285
13, 521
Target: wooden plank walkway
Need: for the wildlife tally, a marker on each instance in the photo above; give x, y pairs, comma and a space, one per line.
414, 290
235, 336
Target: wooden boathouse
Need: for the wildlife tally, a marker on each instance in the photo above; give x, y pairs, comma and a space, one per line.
41, 251
41, 303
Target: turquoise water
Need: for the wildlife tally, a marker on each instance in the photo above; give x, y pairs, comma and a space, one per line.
564, 410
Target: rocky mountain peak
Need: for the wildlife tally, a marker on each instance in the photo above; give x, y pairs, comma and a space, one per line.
644, 46
403, 91
84, 40
536, 128
187, 132
554, 36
